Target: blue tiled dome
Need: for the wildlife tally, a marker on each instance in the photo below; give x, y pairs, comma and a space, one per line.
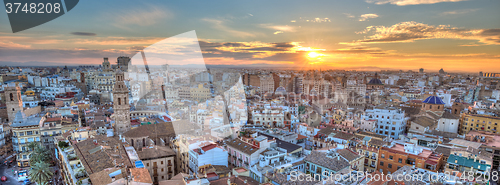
433, 100
375, 81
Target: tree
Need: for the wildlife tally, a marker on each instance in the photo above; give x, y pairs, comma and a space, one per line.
32, 145
62, 144
40, 173
39, 153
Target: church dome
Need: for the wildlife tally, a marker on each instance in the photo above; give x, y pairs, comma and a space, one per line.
375, 81
433, 100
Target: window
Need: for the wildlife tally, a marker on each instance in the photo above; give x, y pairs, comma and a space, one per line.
390, 157
416, 128
382, 156
381, 163
389, 166
161, 169
147, 164
161, 162
400, 161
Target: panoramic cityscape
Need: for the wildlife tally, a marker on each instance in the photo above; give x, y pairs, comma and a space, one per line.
376, 92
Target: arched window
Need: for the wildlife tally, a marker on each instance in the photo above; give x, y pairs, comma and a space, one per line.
119, 101
438, 106
430, 106
11, 97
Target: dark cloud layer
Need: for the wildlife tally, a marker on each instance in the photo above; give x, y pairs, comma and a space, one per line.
83, 34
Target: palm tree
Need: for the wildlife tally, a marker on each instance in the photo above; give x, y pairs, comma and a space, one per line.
32, 145
40, 173
38, 153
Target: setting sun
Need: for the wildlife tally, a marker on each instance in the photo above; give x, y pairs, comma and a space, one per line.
314, 55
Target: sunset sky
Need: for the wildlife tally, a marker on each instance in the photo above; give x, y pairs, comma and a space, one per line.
457, 35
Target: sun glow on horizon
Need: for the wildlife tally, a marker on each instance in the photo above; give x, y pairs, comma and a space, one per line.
314, 55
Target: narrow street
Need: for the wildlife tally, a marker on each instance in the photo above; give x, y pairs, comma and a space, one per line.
11, 178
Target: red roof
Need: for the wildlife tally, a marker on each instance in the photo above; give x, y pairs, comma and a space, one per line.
212, 174
301, 137
52, 119
209, 147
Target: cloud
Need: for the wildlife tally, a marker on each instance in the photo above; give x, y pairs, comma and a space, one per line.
279, 28
220, 24
459, 12
411, 31
83, 34
365, 17
410, 2
125, 41
312, 20
9, 44
140, 17
320, 20
361, 50
349, 15
253, 50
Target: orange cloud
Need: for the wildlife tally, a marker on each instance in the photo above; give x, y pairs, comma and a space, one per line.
411, 31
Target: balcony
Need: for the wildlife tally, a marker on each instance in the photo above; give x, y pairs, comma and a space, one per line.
372, 165
373, 157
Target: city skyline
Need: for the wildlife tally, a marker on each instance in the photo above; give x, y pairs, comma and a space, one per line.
367, 35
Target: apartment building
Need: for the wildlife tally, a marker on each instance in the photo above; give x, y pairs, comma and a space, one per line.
244, 152
397, 155
25, 130
273, 117
200, 92
390, 122
479, 122
320, 163
371, 157
469, 159
160, 162
203, 155
53, 127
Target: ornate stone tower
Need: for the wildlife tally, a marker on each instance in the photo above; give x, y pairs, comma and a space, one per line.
457, 107
105, 64
121, 105
13, 101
